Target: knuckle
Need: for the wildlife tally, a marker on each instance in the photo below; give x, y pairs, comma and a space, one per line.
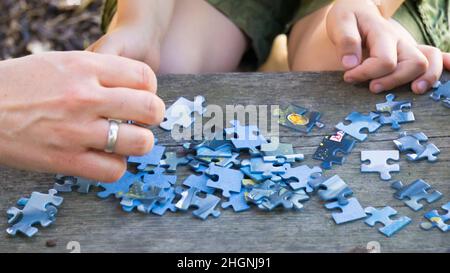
421, 64
350, 41
388, 64
79, 97
148, 78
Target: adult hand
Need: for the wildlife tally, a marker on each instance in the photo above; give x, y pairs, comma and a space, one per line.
54, 109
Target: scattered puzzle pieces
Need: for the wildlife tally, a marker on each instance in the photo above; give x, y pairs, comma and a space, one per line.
38, 209
298, 118
332, 149
383, 216
379, 162
413, 193
399, 112
441, 221
358, 122
182, 111
413, 143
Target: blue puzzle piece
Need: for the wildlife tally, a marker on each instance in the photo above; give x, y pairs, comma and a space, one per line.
281, 197
224, 151
142, 196
415, 192
68, 183
160, 208
332, 189
237, 201
399, 112
297, 199
199, 182
280, 153
171, 161
384, 216
157, 178
120, 186
258, 177
359, 122
226, 162
245, 137
261, 191
227, 180
332, 149
266, 169
301, 175
298, 118
441, 221
413, 142
441, 92
350, 212
38, 209
206, 206
152, 158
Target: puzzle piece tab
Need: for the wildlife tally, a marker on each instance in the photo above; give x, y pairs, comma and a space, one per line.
413, 193
359, 122
413, 143
298, 118
38, 209
383, 216
182, 111
379, 162
348, 213
331, 147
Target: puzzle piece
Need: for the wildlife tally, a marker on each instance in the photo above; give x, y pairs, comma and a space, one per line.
199, 182
224, 151
297, 199
152, 158
245, 137
258, 177
141, 195
383, 216
398, 112
359, 122
348, 213
280, 153
415, 192
298, 118
68, 183
441, 92
226, 162
301, 175
331, 147
413, 142
206, 206
228, 180
435, 219
379, 162
157, 178
261, 191
266, 169
38, 209
237, 201
160, 208
332, 189
280, 197
171, 161
120, 186
181, 113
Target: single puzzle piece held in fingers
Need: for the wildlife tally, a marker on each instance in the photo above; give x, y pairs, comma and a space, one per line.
298, 118
245, 137
399, 112
350, 212
441, 92
413, 193
333, 148
383, 216
38, 209
359, 122
379, 162
181, 113
413, 143
441, 221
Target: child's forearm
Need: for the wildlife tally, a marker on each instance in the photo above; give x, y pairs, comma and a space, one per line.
388, 7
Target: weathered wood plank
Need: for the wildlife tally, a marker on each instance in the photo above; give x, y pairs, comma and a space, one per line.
100, 225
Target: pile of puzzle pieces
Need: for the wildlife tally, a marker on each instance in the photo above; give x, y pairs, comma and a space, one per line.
238, 168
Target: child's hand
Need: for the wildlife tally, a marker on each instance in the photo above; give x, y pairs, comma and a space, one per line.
393, 59
134, 41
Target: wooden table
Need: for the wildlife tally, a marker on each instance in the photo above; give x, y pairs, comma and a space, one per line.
101, 225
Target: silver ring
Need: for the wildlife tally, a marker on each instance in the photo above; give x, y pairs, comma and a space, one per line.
113, 132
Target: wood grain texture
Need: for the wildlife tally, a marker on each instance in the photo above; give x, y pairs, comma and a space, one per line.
100, 225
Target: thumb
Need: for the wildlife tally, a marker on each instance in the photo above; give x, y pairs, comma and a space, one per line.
342, 28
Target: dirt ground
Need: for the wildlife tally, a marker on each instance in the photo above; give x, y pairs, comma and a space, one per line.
32, 26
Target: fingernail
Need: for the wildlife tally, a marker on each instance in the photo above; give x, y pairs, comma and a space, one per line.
377, 88
422, 86
349, 61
